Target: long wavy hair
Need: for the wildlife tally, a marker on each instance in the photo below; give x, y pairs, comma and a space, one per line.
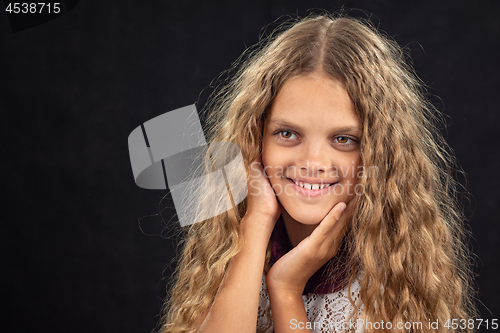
407, 239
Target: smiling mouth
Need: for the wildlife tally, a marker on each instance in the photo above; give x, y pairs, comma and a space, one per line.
311, 187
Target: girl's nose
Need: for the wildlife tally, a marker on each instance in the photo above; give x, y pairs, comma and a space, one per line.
315, 159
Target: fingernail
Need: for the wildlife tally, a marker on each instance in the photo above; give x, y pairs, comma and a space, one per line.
342, 208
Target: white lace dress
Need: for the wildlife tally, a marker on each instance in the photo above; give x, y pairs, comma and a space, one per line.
325, 312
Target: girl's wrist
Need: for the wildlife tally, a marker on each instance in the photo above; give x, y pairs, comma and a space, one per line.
284, 291
259, 223
288, 293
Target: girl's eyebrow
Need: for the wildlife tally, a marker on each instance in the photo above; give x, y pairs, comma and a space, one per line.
286, 123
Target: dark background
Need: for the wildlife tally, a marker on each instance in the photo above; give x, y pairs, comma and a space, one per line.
73, 256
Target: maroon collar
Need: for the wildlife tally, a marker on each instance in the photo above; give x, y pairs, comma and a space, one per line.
318, 283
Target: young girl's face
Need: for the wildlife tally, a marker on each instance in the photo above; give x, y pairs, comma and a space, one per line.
311, 136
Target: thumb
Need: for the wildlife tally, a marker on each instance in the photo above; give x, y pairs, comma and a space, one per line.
337, 210
329, 221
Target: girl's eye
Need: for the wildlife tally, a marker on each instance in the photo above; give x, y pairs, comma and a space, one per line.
346, 141
343, 139
284, 135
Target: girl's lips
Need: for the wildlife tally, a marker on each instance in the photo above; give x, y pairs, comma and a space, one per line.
310, 193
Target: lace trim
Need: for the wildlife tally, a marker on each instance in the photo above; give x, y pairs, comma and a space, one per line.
325, 312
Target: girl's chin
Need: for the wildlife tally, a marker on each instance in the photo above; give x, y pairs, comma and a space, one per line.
304, 218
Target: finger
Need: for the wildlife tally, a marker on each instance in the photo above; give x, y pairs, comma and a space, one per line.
256, 163
256, 166
339, 228
323, 230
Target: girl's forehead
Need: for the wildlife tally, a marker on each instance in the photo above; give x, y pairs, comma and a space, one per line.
306, 100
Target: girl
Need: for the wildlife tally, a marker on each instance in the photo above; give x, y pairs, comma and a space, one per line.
351, 221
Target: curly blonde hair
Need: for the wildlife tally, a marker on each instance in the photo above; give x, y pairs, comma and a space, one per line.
407, 237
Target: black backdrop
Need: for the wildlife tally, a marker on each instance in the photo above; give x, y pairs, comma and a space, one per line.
73, 255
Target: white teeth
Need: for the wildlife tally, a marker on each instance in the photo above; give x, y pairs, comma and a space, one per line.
313, 186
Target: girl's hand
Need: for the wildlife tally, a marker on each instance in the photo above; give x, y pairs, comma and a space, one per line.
262, 201
291, 272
